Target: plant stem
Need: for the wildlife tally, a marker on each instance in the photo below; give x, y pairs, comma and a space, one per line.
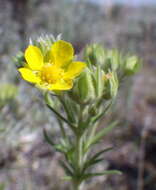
78, 152
79, 162
77, 186
76, 182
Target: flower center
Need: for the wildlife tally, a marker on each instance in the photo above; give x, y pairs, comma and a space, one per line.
50, 73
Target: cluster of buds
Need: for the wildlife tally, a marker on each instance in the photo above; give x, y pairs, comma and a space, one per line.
101, 79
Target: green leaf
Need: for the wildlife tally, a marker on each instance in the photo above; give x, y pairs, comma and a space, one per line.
99, 116
107, 172
66, 168
101, 152
62, 118
47, 138
69, 154
95, 159
91, 163
103, 132
60, 148
57, 147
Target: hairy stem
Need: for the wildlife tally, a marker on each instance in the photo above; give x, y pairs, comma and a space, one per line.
79, 153
77, 186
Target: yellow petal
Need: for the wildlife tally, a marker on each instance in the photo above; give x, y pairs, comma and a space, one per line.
62, 52
61, 85
34, 57
74, 69
28, 75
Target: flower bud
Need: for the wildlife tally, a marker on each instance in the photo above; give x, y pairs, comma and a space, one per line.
132, 65
44, 42
95, 54
84, 91
112, 60
99, 82
111, 85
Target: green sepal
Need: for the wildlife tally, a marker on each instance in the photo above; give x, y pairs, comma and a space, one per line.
89, 64
99, 84
111, 85
114, 84
44, 42
19, 59
48, 100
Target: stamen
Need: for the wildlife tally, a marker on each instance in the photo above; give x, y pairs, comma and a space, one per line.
50, 73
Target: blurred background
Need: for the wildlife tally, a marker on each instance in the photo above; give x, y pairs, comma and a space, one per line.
26, 161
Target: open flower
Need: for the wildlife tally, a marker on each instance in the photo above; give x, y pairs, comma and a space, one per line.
53, 71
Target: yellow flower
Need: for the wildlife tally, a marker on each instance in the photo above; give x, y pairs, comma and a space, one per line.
54, 71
